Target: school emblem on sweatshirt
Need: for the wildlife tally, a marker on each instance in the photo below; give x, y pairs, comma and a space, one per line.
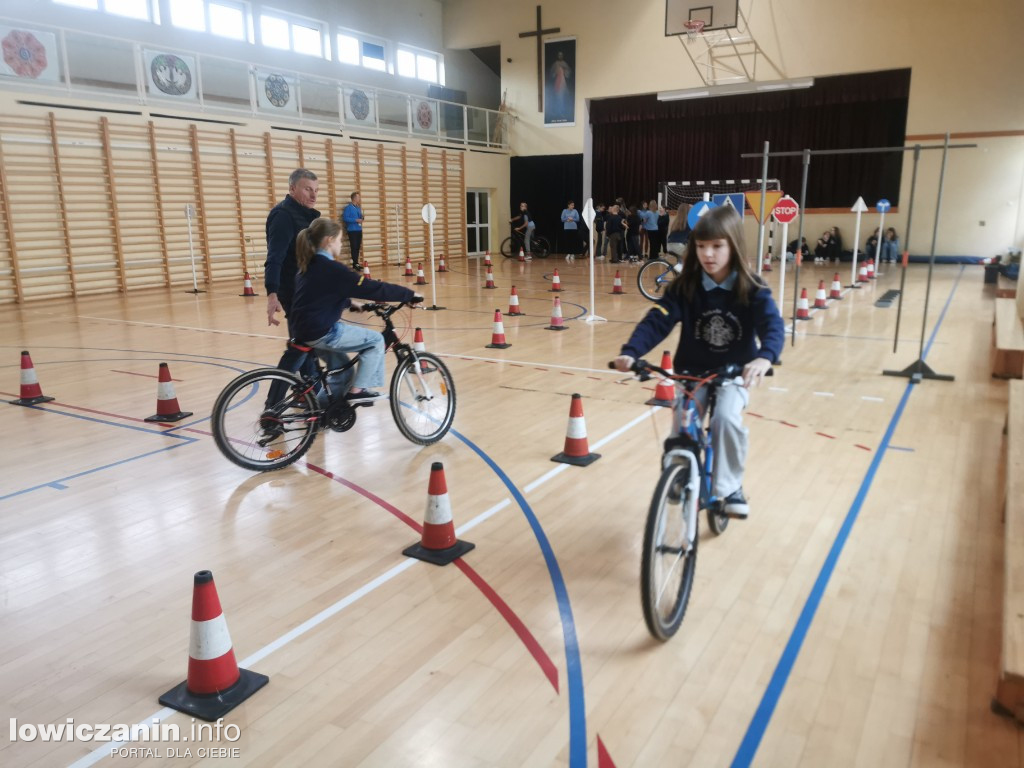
718, 329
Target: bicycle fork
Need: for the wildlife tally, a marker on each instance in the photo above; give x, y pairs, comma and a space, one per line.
678, 455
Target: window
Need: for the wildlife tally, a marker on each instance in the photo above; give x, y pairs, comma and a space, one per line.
92, 5
422, 65
362, 50
189, 14
134, 9
226, 18
293, 33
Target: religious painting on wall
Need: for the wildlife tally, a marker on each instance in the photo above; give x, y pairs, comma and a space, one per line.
560, 81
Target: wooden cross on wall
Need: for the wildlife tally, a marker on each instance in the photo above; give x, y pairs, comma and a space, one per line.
538, 32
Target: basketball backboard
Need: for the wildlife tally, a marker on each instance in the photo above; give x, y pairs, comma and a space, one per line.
716, 14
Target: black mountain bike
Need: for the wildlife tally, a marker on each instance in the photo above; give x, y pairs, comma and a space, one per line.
268, 418
539, 245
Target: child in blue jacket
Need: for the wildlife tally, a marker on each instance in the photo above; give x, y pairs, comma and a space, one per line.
727, 316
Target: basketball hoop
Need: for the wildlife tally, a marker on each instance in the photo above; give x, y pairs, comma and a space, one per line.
693, 28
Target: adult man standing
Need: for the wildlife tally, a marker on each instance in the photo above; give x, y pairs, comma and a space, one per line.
352, 218
285, 221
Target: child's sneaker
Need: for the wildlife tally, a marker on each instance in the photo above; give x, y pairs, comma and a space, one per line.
736, 504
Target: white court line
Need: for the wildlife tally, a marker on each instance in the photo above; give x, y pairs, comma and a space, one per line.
872, 399
101, 752
524, 362
778, 389
179, 327
825, 394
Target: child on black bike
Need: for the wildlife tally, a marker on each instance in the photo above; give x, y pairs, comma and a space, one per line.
727, 316
324, 288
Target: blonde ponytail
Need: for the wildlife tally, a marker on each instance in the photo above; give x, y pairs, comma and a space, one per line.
311, 239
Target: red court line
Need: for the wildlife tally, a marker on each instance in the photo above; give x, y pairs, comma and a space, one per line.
862, 447
147, 375
787, 424
104, 413
540, 369
830, 437
755, 415
535, 649
567, 373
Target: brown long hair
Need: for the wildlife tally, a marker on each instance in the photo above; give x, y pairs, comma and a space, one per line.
310, 239
721, 223
679, 222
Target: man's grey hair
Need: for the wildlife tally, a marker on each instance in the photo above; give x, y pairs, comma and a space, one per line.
298, 175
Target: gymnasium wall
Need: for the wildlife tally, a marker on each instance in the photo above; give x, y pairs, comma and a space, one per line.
965, 80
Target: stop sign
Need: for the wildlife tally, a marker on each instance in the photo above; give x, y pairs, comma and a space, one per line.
785, 210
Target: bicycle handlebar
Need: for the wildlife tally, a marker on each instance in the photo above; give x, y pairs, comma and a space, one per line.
386, 310
644, 370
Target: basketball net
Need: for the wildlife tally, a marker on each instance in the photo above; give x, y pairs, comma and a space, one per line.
693, 28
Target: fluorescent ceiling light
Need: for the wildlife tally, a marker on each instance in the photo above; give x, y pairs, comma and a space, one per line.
732, 89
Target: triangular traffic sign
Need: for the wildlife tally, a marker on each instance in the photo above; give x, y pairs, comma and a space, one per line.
771, 197
860, 206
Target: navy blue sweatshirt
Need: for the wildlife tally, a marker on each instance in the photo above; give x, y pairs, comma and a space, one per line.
325, 290
285, 221
717, 329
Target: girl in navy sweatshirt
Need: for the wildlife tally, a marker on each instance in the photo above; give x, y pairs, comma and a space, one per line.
727, 316
324, 288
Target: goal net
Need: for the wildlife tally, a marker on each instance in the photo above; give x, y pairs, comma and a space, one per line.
674, 193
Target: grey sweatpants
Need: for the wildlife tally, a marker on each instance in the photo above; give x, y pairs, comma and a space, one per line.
728, 435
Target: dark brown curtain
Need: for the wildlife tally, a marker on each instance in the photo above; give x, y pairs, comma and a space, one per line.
640, 141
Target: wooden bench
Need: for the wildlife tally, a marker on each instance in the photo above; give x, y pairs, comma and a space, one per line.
1009, 698
1008, 340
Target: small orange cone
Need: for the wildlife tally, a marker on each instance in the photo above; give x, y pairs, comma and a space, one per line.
31, 392
837, 288
522, 256
862, 274
166, 402
556, 283
577, 449
418, 345
441, 267
665, 392
247, 287
617, 283
421, 279
871, 269
802, 309
215, 685
438, 544
766, 264
819, 296
408, 267
498, 334
366, 269
556, 317
513, 303
487, 259
490, 278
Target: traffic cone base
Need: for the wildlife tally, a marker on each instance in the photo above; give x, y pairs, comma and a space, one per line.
576, 461
556, 328
500, 345
438, 556
213, 706
31, 400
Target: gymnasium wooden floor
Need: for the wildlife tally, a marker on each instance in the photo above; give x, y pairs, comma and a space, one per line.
533, 652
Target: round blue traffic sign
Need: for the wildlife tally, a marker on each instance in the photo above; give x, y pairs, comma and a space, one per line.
883, 206
698, 210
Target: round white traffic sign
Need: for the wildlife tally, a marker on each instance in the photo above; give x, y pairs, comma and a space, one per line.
785, 210
429, 213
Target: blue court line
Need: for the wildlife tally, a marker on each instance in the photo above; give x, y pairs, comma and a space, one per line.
83, 417
900, 448
763, 715
574, 668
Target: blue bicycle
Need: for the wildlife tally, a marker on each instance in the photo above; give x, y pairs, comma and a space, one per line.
685, 487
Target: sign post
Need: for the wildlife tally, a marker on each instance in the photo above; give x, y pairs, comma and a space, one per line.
190, 212
429, 214
588, 218
859, 207
784, 211
882, 206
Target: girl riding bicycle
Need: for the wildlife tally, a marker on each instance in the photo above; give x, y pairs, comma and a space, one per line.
727, 316
324, 288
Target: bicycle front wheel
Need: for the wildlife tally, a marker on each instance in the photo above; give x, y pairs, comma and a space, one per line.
669, 559
265, 419
654, 277
506, 247
540, 247
423, 398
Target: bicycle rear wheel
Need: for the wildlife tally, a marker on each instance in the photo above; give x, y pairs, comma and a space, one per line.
654, 277
669, 560
423, 398
540, 247
261, 435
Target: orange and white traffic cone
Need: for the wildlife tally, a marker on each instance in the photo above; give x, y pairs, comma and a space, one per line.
408, 267
487, 259
577, 449
819, 296
837, 288
247, 287
862, 274
513, 303
766, 264
617, 283
871, 269
166, 402
215, 685
556, 283
421, 279
418, 345
556, 317
366, 270
31, 392
522, 256
498, 334
438, 544
803, 311
490, 278
441, 266
665, 392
